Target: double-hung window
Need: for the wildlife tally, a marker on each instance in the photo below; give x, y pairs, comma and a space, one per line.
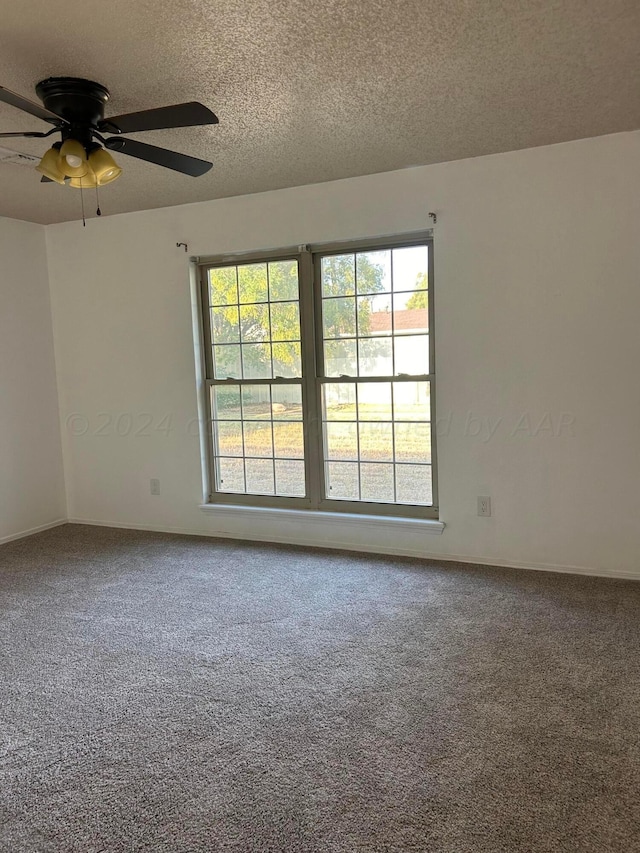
320, 377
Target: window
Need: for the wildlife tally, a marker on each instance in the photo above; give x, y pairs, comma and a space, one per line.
319, 374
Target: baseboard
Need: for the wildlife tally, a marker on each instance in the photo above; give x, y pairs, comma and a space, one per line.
557, 568
590, 571
24, 533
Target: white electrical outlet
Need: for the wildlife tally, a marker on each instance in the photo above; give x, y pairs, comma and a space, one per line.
155, 487
484, 506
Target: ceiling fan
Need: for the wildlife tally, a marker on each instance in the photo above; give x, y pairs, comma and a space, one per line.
75, 108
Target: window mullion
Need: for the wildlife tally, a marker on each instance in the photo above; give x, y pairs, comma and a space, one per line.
273, 440
310, 387
240, 338
358, 452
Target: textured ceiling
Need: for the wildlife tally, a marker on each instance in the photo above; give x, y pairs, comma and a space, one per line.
310, 92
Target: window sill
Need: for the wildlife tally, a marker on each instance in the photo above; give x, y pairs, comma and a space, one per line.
297, 516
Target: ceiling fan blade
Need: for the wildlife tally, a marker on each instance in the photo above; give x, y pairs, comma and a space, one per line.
179, 115
30, 107
162, 156
27, 133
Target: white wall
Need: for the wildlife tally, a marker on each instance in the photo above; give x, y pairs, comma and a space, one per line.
31, 475
537, 298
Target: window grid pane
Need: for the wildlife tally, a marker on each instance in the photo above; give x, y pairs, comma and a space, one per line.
377, 441
389, 334
253, 336
258, 439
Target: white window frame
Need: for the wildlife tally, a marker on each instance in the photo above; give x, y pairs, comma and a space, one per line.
310, 297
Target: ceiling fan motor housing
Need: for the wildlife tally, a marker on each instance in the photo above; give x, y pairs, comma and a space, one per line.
80, 102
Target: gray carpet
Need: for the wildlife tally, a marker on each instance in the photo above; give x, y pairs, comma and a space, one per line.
168, 693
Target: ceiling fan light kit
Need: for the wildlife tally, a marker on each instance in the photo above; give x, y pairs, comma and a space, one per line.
75, 107
103, 166
72, 160
48, 166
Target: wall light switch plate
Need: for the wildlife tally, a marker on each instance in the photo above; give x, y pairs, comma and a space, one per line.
484, 506
155, 487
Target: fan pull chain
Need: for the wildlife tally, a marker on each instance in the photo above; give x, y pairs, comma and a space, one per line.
84, 221
98, 211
